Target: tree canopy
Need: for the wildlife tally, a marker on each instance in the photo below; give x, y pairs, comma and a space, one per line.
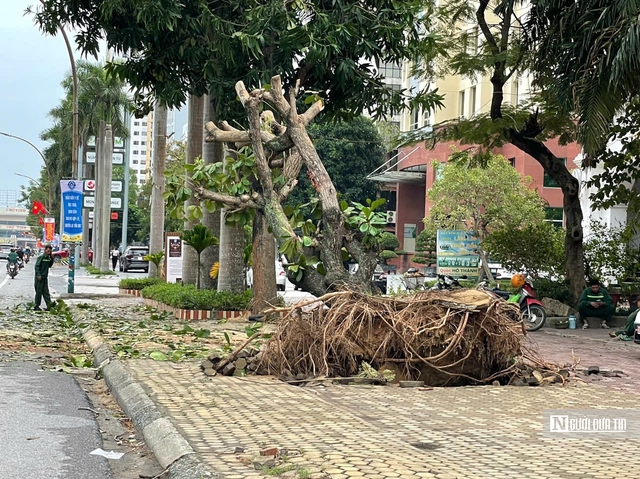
173, 49
482, 199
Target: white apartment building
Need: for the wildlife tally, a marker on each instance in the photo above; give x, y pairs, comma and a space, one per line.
140, 149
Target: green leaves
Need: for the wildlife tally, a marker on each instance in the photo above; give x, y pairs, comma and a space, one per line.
158, 356
199, 238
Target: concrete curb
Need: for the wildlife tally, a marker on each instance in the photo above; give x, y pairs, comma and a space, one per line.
172, 450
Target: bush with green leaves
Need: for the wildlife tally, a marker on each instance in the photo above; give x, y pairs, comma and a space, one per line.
535, 249
426, 252
188, 297
608, 253
138, 284
548, 288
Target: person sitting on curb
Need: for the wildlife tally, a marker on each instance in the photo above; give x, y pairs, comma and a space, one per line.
596, 302
629, 328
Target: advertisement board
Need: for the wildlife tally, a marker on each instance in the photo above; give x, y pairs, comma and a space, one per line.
71, 210
173, 257
49, 230
457, 252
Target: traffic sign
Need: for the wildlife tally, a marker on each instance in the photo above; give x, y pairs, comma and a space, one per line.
114, 216
116, 186
117, 157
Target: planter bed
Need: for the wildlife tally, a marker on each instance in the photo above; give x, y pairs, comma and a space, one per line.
194, 314
130, 292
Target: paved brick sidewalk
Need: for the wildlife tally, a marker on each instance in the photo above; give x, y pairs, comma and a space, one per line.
386, 432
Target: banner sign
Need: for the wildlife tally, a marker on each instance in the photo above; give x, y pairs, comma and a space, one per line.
71, 210
173, 257
49, 230
458, 253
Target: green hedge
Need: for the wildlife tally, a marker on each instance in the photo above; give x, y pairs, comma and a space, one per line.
188, 297
547, 288
138, 284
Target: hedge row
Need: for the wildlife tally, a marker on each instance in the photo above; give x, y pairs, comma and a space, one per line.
188, 297
138, 284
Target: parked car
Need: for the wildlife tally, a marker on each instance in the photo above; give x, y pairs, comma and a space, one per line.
281, 277
64, 253
133, 258
5, 249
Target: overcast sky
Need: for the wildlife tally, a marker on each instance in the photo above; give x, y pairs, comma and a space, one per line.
32, 66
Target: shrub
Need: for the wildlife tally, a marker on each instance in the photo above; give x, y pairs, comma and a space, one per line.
547, 288
188, 297
425, 248
138, 284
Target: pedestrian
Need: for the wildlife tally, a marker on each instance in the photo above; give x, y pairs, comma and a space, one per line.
43, 263
596, 302
629, 328
114, 257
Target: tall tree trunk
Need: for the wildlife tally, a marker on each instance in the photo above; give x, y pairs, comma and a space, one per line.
105, 193
99, 199
156, 233
195, 135
212, 152
231, 275
265, 291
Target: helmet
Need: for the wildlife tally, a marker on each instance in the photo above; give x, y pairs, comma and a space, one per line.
517, 280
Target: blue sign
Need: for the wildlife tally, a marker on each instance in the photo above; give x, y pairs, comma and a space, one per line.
71, 210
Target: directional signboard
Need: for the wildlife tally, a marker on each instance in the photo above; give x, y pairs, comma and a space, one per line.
90, 202
117, 157
90, 186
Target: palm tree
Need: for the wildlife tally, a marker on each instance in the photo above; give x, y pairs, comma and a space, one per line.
587, 56
199, 238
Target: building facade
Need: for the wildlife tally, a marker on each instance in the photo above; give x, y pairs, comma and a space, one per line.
140, 151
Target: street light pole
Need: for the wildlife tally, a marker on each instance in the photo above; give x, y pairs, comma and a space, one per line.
44, 160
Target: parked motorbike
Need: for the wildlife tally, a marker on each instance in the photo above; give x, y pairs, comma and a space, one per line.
446, 282
531, 309
13, 270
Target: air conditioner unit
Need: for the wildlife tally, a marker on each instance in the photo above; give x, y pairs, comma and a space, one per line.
391, 216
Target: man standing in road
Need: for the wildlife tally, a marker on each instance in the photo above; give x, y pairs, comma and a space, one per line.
43, 263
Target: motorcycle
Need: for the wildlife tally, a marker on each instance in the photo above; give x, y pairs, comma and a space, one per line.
26, 259
447, 282
12, 270
531, 309
20, 263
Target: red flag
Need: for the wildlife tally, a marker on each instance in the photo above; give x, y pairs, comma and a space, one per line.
38, 208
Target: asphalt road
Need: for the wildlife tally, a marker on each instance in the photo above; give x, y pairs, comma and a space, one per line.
43, 433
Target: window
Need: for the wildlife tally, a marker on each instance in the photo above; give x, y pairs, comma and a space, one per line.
391, 70
472, 41
136, 133
143, 181
549, 182
143, 162
438, 171
143, 152
144, 123
472, 101
554, 216
461, 104
426, 118
135, 162
136, 142
135, 152
136, 123
143, 142
512, 162
415, 115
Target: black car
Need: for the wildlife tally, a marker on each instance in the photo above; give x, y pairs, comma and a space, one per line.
133, 258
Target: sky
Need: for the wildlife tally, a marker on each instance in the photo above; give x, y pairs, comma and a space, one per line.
32, 66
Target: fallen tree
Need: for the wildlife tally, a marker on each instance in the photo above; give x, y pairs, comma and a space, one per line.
442, 338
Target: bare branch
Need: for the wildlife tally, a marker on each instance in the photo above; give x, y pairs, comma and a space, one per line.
486, 31
313, 111
201, 193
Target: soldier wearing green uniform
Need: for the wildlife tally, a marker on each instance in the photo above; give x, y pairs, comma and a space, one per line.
595, 302
43, 263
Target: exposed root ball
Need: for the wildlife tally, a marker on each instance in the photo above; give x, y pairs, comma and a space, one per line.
440, 337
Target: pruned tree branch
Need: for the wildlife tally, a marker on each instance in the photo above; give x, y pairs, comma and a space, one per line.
202, 193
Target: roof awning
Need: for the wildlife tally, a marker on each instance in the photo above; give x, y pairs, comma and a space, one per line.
409, 177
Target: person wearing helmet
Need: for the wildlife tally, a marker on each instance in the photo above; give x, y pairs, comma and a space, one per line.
595, 302
12, 257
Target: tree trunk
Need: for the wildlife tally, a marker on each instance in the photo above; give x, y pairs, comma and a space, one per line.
156, 233
264, 272
231, 275
573, 247
195, 134
105, 191
212, 152
97, 209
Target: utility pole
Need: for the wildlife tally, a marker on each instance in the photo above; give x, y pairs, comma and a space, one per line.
99, 198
